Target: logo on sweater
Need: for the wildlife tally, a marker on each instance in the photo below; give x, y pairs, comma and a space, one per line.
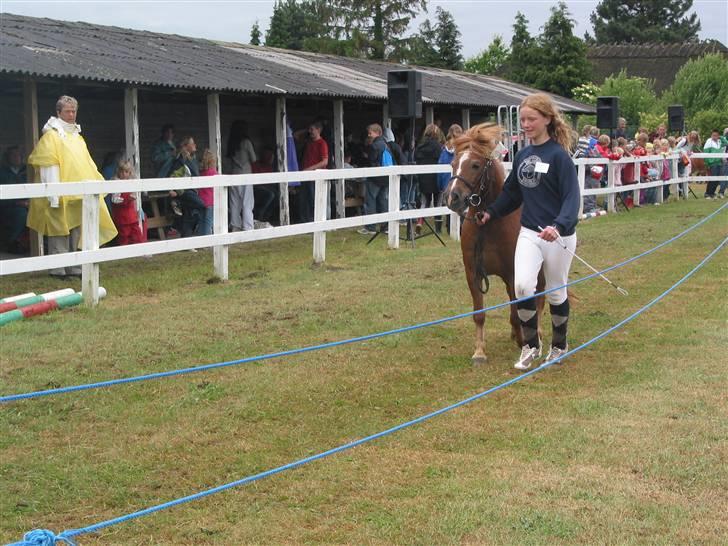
527, 175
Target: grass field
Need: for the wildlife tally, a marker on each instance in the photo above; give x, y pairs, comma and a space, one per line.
626, 443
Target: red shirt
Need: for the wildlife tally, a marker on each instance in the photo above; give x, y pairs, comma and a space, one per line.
125, 212
206, 194
640, 151
315, 152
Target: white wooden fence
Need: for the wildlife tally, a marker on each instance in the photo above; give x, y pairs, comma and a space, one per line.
91, 255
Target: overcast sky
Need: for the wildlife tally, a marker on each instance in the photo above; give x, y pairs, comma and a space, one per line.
479, 21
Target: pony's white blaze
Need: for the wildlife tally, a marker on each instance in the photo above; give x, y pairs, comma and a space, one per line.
458, 172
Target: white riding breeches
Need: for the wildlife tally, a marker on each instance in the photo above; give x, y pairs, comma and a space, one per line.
533, 252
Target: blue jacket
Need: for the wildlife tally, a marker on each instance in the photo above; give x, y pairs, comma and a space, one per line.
446, 157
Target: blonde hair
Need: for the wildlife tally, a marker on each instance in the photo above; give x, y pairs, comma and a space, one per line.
453, 132
375, 128
604, 140
209, 161
557, 128
125, 166
433, 131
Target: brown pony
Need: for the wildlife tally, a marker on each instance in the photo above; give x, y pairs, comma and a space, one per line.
489, 249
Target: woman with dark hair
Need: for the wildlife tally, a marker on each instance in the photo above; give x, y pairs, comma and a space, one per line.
240, 157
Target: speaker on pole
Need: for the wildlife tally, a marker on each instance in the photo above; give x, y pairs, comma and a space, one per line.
404, 93
607, 112
676, 118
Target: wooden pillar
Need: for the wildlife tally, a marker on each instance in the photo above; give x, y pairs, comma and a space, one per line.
131, 128
282, 155
31, 136
339, 156
220, 203
466, 119
429, 115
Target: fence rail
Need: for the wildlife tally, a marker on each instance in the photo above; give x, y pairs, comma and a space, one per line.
91, 255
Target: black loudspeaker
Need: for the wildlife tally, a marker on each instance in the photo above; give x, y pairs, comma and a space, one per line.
676, 118
404, 93
607, 112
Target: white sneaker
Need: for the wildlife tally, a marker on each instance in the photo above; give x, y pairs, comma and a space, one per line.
528, 355
365, 231
257, 224
555, 353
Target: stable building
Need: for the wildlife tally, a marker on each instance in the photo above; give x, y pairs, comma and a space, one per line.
130, 83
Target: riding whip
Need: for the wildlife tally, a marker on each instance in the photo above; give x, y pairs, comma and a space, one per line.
575, 255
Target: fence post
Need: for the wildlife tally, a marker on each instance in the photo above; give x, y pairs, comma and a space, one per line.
611, 207
319, 215
581, 176
393, 206
90, 238
675, 177
220, 225
638, 181
661, 187
454, 226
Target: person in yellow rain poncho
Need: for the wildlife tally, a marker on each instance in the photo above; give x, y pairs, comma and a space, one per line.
61, 155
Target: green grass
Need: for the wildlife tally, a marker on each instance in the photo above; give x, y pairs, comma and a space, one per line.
624, 444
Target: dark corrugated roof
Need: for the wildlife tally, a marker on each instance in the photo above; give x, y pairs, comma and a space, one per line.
59, 49
684, 50
657, 62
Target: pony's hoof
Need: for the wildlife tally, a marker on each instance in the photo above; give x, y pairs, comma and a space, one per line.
479, 360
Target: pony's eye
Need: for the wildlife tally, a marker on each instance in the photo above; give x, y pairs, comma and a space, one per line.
475, 165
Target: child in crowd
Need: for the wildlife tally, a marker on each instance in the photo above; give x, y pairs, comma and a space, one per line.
124, 209
208, 167
654, 169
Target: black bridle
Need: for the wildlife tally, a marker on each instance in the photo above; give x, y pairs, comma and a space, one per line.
478, 197
478, 191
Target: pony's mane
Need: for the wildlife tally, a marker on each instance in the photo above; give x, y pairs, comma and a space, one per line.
481, 139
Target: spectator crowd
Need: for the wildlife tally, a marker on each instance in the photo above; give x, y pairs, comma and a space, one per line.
61, 155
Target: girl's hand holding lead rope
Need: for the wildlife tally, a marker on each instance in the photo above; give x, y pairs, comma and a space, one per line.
549, 234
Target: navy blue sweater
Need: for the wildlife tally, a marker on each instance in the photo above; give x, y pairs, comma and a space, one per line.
549, 198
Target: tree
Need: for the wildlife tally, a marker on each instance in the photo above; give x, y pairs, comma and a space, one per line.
380, 24
255, 34
437, 46
448, 41
289, 25
491, 59
420, 49
561, 64
524, 52
644, 21
700, 85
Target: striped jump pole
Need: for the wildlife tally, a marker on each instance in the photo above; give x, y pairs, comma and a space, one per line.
18, 297
60, 302
593, 214
18, 302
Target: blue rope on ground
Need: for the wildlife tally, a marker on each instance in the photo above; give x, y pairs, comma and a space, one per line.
268, 356
67, 535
